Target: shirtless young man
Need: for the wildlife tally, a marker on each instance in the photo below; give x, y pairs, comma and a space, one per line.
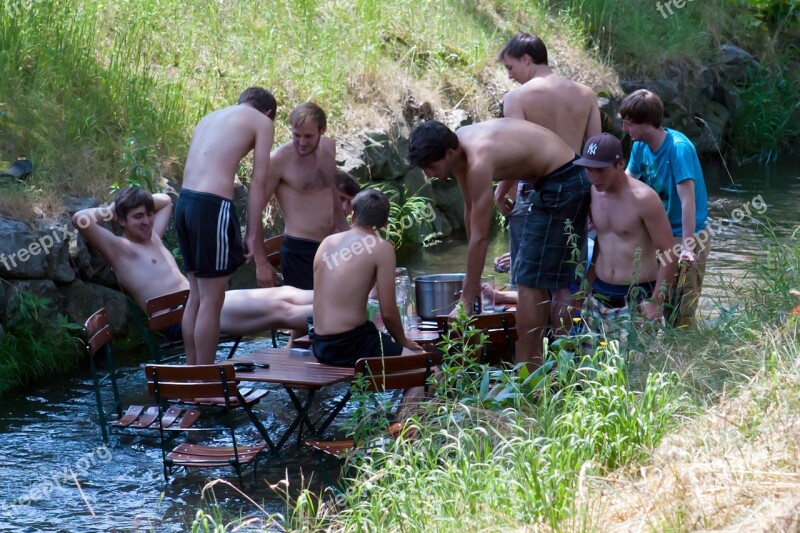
512, 149
346, 267
206, 222
146, 269
348, 187
565, 107
302, 177
632, 232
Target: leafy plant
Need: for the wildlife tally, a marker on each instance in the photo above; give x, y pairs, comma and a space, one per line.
34, 345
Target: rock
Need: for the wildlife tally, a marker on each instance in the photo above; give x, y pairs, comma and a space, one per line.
244, 277
455, 118
441, 224
713, 125
2, 333
21, 255
350, 157
416, 183
2, 303
735, 64
449, 202
83, 299
609, 116
60, 233
41, 288
73, 204
240, 201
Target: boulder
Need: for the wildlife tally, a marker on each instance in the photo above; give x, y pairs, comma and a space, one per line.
416, 183
713, 125
2, 302
350, 157
455, 118
60, 233
735, 64
21, 255
83, 299
449, 202
609, 115
73, 204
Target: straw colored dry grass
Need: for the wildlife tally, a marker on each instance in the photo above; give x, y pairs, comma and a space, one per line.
736, 468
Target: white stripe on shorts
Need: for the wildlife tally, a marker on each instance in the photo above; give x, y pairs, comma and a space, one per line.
223, 219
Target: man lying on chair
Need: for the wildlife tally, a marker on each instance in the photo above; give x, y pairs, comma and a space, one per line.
146, 269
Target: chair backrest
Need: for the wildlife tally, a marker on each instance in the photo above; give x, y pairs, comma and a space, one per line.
272, 249
500, 328
400, 372
97, 332
188, 382
167, 310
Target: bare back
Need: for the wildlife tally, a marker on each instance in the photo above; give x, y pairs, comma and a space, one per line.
306, 189
510, 149
565, 107
627, 251
219, 142
345, 270
146, 270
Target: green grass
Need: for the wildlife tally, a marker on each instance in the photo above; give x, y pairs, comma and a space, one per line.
81, 79
36, 343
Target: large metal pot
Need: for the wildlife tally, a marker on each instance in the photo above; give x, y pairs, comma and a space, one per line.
437, 294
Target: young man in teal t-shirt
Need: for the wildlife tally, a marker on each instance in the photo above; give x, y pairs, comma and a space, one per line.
666, 160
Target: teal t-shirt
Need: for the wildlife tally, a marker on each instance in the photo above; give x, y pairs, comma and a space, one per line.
675, 161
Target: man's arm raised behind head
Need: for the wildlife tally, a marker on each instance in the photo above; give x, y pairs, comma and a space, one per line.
163, 212
87, 222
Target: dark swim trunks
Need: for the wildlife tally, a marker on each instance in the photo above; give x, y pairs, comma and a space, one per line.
208, 234
173, 333
344, 349
617, 296
545, 258
297, 262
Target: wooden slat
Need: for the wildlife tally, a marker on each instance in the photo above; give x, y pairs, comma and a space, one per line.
194, 455
167, 310
293, 370
149, 416
168, 373
336, 448
97, 331
272, 249
130, 415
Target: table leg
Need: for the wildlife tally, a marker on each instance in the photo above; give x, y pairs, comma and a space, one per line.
302, 415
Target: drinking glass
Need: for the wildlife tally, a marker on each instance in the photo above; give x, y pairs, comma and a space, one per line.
401, 288
487, 294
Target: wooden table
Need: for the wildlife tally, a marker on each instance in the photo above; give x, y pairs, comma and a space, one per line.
416, 335
297, 372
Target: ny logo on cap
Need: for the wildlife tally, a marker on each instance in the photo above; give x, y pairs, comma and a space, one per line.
592, 149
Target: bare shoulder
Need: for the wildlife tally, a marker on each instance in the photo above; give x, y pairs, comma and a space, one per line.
643, 193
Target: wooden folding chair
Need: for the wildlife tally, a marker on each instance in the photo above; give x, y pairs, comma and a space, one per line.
383, 374
104, 373
166, 311
186, 383
501, 330
272, 249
